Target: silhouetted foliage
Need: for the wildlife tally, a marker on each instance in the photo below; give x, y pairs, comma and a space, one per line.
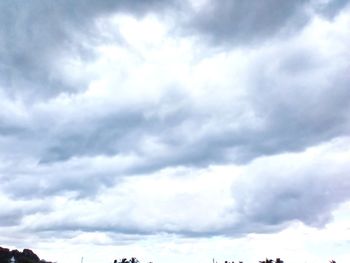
278, 260
125, 260
26, 256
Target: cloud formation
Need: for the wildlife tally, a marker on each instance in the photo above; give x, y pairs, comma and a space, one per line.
117, 113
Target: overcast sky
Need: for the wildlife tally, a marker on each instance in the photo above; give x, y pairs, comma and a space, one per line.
175, 130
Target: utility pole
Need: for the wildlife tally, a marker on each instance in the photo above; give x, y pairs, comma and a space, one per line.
82, 260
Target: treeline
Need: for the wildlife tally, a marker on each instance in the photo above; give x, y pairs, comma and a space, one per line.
278, 260
28, 256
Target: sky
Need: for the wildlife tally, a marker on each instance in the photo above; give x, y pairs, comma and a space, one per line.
175, 130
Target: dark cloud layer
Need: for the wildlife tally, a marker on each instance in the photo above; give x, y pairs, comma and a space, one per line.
239, 22
251, 22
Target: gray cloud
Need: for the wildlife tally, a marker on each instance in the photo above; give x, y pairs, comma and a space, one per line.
331, 8
251, 22
297, 188
39, 37
13, 212
11, 218
81, 179
241, 22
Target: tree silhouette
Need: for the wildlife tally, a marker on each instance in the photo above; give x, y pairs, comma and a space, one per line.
125, 260
266, 261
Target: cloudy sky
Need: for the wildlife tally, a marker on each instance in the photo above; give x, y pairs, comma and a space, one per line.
175, 130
